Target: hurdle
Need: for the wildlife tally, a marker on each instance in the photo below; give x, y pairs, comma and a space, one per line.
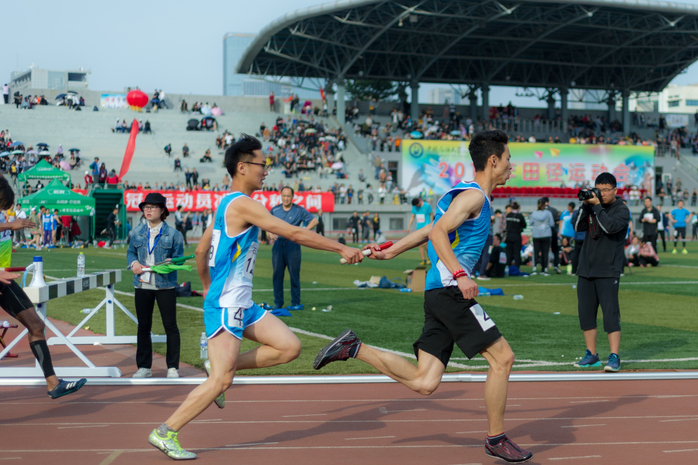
41, 294
68, 286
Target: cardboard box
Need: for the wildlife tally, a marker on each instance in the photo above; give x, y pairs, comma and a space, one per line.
416, 278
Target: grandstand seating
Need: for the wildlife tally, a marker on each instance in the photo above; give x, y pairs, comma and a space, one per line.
91, 132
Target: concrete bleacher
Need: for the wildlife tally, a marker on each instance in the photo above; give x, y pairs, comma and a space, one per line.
91, 132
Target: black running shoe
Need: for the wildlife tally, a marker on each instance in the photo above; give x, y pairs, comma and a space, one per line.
508, 451
344, 347
66, 387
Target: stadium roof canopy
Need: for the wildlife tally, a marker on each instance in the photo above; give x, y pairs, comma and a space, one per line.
636, 45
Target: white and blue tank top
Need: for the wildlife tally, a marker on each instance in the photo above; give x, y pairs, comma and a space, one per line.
467, 240
231, 261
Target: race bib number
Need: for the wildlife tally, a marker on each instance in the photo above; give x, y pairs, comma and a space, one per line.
503, 257
420, 218
250, 258
235, 317
482, 318
215, 239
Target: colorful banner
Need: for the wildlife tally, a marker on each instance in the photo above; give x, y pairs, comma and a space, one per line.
439, 165
113, 101
201, 200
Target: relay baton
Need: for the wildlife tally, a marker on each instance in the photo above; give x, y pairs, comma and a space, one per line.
15, 269
367, 252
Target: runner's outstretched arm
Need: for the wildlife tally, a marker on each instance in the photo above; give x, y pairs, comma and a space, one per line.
254, 213
412, 240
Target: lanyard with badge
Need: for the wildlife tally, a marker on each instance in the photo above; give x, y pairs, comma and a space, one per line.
145, 277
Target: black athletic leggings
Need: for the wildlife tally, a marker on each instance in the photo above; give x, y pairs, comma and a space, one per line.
167, 303
541, 245
680, 233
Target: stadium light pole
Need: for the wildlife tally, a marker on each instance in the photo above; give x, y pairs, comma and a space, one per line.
472, 95
626, 111
485, 102
341, 116
414, 106
563, 108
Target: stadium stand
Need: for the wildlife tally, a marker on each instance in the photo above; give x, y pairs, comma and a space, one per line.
92, 133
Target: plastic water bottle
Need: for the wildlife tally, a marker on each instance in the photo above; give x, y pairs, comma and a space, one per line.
405, 289
81, 265
518, 297
204, 346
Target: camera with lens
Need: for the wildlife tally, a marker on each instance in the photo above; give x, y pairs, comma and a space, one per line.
586, 194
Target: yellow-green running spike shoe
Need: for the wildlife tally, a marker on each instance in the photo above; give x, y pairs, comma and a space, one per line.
170, 445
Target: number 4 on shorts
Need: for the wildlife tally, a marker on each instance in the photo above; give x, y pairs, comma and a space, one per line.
482, 317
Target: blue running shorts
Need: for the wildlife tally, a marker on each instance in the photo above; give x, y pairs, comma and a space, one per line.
233, 319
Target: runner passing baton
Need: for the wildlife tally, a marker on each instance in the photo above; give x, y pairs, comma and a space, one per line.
369, 251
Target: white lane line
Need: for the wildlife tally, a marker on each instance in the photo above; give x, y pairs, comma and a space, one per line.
385, 411
111, 457
252, 444
572, 458
10, 458
682, 450
633, 283
681, 419
581, 426
381, 420
470, 432
85, 426
204, 421
297, 401
306, 415
374, 437
587, 401
400, 446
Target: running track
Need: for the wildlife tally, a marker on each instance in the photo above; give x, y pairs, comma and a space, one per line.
599, 422
638, 422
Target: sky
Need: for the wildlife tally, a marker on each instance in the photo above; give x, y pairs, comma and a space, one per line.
172, 45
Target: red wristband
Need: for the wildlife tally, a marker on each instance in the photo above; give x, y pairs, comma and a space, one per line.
459, 273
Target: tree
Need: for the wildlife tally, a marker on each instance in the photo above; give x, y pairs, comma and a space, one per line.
364, 89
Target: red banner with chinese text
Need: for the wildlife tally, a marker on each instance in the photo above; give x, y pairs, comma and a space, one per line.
201, 200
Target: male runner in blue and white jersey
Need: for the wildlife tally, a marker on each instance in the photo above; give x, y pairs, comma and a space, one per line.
456, 238
225, 259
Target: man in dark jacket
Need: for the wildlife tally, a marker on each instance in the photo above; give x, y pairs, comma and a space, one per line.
516, 223
650, 218
555, 238
600, 265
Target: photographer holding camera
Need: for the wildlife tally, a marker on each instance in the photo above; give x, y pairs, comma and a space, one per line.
605, 219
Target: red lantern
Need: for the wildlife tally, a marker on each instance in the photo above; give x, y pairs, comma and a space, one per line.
137, 98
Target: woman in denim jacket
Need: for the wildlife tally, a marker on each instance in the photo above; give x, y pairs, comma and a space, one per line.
152, 243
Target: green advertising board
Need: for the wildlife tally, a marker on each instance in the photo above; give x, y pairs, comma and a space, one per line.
439, 165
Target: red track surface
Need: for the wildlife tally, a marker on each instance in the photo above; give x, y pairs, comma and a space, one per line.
627, 422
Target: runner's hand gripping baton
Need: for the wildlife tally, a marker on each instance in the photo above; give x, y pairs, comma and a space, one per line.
368, 252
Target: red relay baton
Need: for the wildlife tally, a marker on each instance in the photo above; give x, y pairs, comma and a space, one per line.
368, 252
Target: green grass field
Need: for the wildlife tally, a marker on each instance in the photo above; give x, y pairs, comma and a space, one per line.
658, 311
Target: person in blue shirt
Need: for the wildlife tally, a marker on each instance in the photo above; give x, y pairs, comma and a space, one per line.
287, 254
566, 226
423, 214
680, 217
451, 314
47, 226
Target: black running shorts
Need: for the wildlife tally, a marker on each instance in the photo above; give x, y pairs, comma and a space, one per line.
449, 318
13, 299
592, 292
